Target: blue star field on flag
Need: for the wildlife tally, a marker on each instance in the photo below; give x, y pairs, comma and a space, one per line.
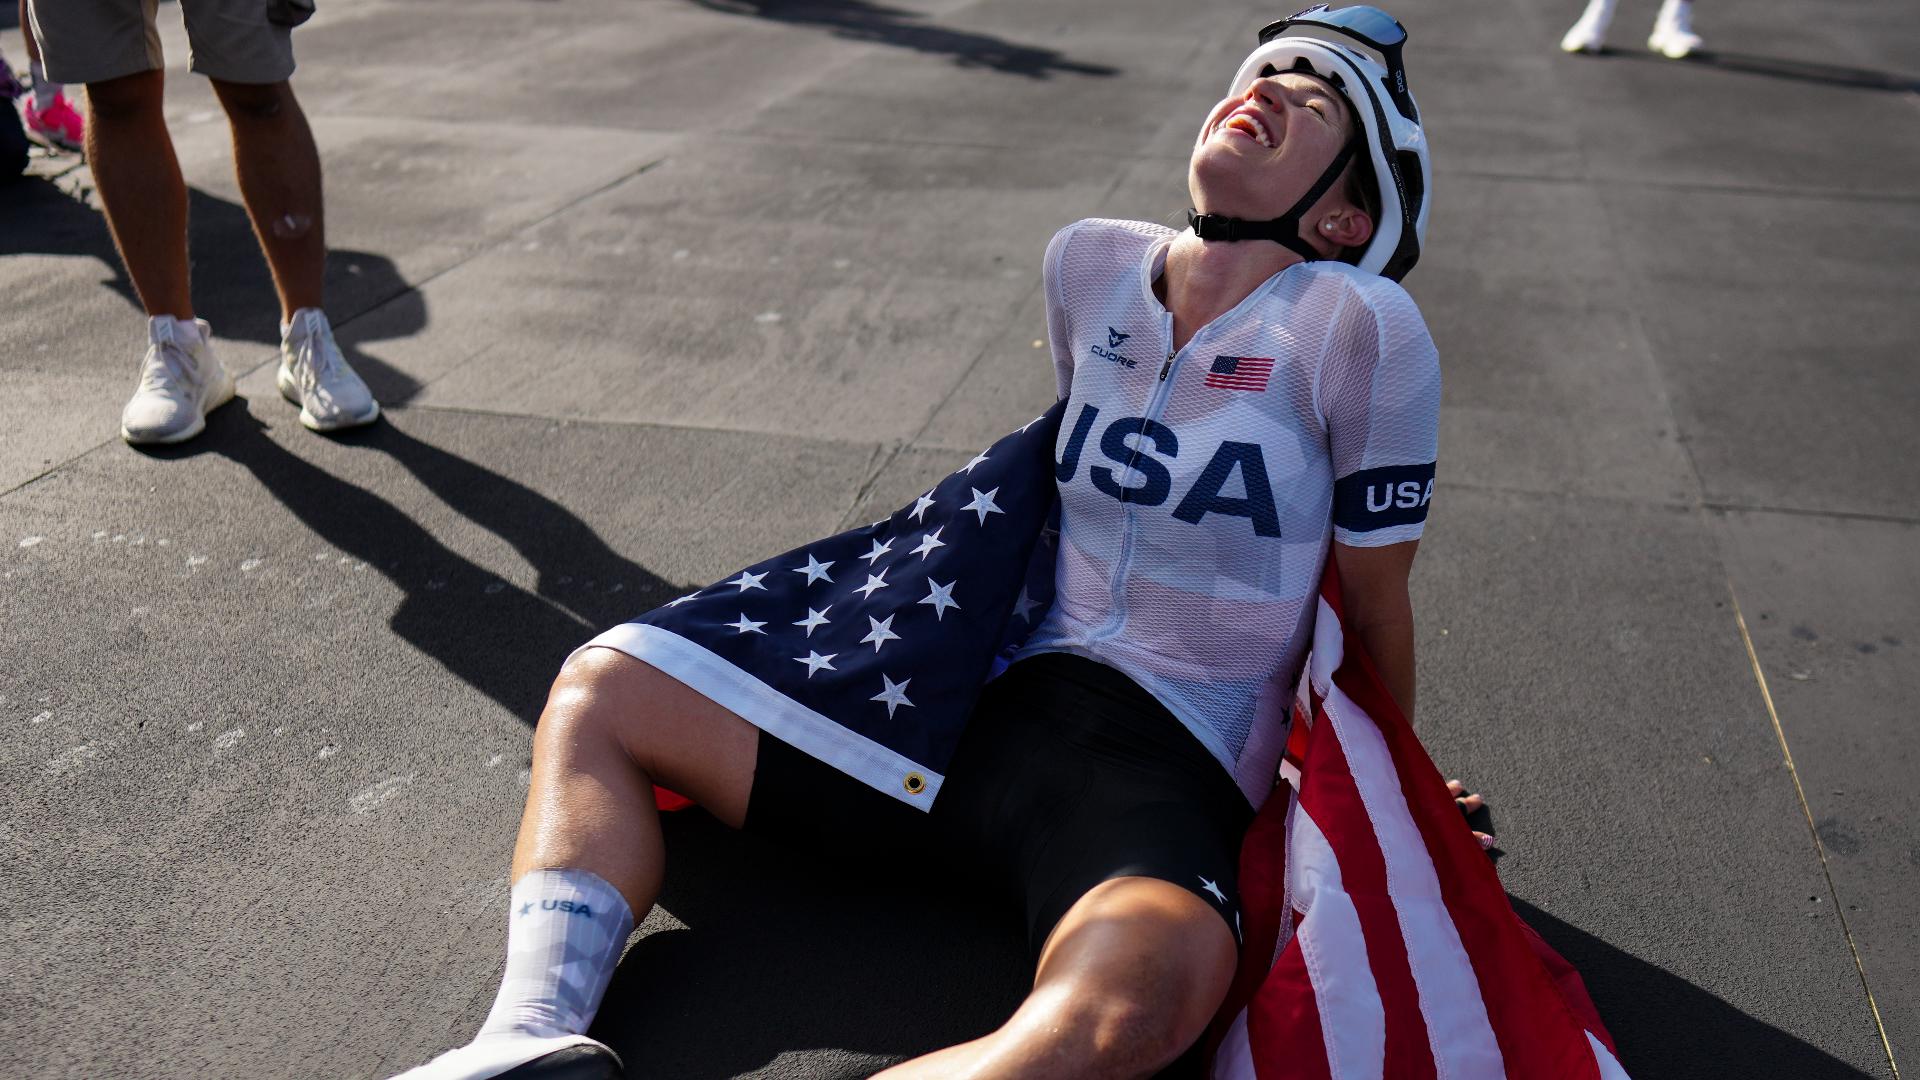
868, 648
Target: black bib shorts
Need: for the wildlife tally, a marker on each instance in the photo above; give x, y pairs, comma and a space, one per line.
1069, 775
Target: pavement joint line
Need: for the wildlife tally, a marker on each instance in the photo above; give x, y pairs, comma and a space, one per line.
1797, 511
1690, 186
1800, 793
1631, 500
873, 475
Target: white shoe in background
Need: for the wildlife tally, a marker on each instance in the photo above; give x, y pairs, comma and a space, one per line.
180, 383
1673, 35
1589, 35
314, 376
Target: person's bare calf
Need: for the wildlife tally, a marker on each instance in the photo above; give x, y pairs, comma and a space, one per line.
278, 167
138, 177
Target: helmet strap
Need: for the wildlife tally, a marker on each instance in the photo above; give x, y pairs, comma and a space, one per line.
1283, 230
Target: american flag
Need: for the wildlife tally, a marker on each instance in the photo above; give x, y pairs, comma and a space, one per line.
1378, 942
867, 649
1240, 372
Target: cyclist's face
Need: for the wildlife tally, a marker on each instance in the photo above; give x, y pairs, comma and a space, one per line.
1263, 148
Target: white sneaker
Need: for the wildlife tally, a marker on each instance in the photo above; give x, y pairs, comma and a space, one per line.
1589, 35
522, 1057
180, 383
1673, 35
314, 376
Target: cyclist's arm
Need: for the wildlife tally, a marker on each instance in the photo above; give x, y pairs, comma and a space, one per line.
1373, 588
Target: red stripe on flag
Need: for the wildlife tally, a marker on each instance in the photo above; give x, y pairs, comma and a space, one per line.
1539, 1034
1263, 904
1283, 1024
1333, 800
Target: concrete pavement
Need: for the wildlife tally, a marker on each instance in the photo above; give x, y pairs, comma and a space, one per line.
652, 288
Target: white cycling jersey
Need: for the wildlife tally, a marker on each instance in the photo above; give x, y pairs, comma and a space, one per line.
1199, 488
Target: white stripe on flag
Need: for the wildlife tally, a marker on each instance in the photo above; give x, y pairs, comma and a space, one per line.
771, 711
1609, 1068
1329, 649
1353, 1022
1458, 1029
1235, 1059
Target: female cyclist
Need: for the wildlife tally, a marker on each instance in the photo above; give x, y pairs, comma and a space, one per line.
1241, 397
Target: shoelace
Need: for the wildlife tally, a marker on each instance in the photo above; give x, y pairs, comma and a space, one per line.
318, 360
168, 365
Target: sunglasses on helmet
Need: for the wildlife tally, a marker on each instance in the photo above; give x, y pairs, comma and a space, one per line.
1379, 34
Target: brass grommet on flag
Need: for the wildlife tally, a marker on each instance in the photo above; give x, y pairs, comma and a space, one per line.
915, 783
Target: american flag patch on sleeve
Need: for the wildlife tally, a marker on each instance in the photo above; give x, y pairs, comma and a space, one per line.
1240, 373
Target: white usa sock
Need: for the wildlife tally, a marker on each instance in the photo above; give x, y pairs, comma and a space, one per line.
565, 932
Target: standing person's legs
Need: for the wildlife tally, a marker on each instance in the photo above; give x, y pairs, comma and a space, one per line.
138, 178
246, 48
278, 167
113, 48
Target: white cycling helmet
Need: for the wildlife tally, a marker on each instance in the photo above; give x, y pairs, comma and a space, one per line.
1357, 49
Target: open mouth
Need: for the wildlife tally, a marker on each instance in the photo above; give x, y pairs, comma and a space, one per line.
1249, 125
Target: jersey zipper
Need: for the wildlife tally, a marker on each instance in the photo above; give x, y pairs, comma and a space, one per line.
1156, 404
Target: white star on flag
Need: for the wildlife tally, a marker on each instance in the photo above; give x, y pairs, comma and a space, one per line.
815, 570
684, 599
1030, 423
982, 503
874, 583
977, 459
746, 626
894, 696
815, 662
921, 506
928, 543
1023, 605
749, 581
879, 549
814, 619
1213, 888
941, 598
880, 632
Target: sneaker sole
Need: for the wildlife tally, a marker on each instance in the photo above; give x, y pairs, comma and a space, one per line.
53, 142
221, 397
311, 422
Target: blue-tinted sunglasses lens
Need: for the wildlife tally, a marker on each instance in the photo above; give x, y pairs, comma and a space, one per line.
1369, 24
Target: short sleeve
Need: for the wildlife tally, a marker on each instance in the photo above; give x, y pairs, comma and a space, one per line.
1380, 394
1059, 333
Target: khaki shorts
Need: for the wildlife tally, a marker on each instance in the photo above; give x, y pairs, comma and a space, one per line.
241, 41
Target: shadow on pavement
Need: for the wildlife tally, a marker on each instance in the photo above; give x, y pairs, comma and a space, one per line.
1778, 67
786, 951
864, 20
500, 639
232, 290
1665, 1026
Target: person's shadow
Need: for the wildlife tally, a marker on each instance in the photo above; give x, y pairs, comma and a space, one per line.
497, 637
1788, 68
865, 20
1666, 1027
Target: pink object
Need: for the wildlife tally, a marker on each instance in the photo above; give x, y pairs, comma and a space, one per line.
58, 125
